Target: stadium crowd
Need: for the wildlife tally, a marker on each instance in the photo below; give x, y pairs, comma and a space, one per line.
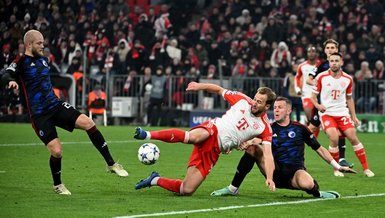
245, 38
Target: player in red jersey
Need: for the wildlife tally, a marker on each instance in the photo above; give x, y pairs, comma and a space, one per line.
244, 120
337, 110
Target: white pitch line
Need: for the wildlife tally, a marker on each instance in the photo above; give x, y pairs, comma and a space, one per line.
245, 206
2, 171
63, 143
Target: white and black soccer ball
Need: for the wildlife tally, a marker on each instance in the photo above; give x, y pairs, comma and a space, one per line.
148, 153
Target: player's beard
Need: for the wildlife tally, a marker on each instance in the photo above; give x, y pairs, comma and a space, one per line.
36, 54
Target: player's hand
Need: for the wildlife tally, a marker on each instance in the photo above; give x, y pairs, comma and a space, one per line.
192, 86
347, 170
244, 145
321, 108
270, 183
13, 85
356, 121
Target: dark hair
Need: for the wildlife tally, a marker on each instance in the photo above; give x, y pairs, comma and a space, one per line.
271, 96
288, 101
337, 53
331, 41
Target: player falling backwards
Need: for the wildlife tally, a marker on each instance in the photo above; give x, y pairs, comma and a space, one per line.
47, 111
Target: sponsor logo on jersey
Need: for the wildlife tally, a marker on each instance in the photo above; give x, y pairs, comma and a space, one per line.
291, 134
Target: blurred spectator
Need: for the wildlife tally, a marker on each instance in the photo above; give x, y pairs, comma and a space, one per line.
280, 54
239, 73
6, 56
379, 72
120, 65
156, 97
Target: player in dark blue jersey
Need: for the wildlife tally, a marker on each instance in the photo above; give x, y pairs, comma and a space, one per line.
288, 146
47, 111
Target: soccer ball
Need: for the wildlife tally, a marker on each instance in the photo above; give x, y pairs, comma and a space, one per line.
148, 153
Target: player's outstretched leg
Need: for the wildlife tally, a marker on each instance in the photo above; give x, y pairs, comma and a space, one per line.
140, 133
147, 181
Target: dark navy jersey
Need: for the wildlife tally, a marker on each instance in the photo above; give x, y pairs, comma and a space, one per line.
288, 145
324, 66
32, 74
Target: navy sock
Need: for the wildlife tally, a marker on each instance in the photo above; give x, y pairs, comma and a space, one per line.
98, 140
315, 190
341, 147
55, 165
245, 165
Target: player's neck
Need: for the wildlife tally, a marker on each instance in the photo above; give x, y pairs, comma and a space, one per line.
284, 122
336, 74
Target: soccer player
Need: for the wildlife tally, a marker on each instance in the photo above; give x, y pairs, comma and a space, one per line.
302, 87
47, 111
330, 46
336, 88
288, 147
244, 120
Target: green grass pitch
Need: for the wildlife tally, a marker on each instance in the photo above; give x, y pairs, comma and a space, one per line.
26, 184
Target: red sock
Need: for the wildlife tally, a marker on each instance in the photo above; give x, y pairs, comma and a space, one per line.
316, 132
170, 135
360, 153
334, 152
170, 184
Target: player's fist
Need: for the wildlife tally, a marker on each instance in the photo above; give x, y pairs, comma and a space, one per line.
13, 85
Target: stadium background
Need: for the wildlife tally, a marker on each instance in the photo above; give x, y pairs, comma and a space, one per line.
116, 45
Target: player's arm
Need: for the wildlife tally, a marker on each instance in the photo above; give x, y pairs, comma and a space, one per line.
9, 78
314, 100
352, 109
269, 165
297, 81
208, 87
310, 80
323, 152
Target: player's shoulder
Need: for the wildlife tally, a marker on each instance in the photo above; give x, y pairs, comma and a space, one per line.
303, 64
344, 74
323, 74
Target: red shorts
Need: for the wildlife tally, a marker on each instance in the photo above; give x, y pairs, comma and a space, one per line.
306, 103
341, 123
206, 154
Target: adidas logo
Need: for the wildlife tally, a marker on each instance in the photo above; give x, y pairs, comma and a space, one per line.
32, 64
275, 135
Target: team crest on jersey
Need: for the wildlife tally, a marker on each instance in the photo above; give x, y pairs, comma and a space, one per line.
41, 133
343, 84
256, 125
45, 63
291, 134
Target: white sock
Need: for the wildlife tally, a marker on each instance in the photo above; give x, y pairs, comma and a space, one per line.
148, 135
154, 181
232, 188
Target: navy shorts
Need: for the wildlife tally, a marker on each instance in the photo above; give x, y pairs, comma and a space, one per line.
63, 116
284, 174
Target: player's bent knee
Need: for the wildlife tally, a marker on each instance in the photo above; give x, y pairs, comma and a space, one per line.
84, 122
